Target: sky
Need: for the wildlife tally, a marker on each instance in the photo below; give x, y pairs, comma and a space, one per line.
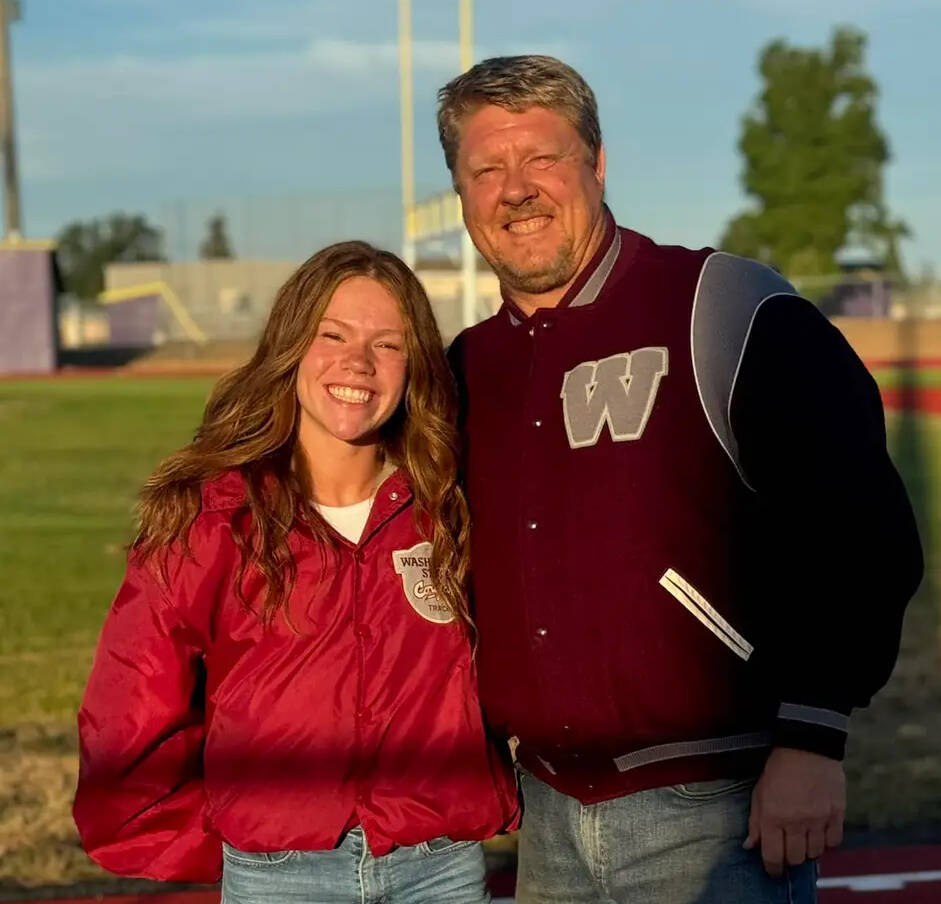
284, 114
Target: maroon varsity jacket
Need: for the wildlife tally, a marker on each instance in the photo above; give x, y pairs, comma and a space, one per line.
689, 542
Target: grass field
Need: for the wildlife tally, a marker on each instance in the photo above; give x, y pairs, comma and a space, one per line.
920, 378
74, 454
75, 451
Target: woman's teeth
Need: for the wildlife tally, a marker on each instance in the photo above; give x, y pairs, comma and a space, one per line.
348, 394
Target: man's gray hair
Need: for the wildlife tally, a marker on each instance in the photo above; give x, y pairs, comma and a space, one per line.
517, 83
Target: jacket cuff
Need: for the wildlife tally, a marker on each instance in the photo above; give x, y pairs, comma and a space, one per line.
811, 728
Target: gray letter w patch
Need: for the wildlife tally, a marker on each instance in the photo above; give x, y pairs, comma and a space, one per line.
619, 390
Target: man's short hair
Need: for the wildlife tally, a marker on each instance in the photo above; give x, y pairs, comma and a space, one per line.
517, 83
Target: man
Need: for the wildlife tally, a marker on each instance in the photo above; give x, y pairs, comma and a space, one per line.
691, 551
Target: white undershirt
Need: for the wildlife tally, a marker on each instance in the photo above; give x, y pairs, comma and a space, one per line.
347, 520
350, 520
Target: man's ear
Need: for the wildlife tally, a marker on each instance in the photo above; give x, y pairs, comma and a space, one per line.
600, 165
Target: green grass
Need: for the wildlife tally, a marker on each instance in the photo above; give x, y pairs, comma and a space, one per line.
75, 452
918, 377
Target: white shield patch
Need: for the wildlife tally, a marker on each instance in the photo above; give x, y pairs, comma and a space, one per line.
414, 567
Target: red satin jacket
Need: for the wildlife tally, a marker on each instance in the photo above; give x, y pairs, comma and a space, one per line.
199, 725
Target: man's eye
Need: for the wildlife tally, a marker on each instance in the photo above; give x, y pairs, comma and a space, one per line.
483, 171
545, 160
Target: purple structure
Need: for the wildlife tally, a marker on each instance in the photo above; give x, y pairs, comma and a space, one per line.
134, 322
28, 327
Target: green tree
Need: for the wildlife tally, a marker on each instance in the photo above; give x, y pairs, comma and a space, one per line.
216, 244
814, 156
83, 249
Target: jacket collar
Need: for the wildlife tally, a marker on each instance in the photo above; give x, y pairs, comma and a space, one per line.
227, 491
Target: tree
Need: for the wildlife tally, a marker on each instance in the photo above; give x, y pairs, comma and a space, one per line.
813, 161
83, 249
216, 244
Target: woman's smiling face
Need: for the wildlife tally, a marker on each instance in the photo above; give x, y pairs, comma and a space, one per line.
353, 376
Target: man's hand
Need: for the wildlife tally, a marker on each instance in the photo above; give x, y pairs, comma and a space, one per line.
797, 808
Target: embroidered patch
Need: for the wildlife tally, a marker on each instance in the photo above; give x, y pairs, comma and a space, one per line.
618, 391
414, 567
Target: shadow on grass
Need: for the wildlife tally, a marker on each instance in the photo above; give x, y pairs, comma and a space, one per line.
100, 356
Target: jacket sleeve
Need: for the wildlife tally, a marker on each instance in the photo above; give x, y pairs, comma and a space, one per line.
139, 803
839, 532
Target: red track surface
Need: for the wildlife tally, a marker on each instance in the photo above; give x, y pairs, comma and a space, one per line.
903, 875
916, 363
926, 399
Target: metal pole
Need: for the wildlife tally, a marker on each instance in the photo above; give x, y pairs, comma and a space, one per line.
466, 26
9, 12
468, 251
408, 128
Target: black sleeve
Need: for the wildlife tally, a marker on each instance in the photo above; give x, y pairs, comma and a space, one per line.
839, 532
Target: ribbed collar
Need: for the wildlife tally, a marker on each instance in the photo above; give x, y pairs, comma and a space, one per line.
588, 284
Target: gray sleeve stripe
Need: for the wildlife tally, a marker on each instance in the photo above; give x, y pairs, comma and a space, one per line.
726, 442
729, 293
827, 717
681, 749
728, 404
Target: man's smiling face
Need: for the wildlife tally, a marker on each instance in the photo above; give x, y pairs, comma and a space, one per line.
532, 196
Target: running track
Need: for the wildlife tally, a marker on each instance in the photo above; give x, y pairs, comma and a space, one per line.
901, 875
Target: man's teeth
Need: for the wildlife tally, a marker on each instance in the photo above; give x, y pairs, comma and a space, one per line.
521, 227
348, 394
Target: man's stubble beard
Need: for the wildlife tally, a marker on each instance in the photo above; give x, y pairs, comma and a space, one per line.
537, 279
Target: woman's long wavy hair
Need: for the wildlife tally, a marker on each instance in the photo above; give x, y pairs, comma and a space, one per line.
251, 424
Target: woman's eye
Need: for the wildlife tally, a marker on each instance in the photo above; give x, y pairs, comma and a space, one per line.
390, 345
334, 336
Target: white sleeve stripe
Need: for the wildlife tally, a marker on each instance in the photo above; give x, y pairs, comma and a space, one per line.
814, 715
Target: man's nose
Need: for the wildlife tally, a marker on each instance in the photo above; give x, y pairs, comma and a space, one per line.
517, 189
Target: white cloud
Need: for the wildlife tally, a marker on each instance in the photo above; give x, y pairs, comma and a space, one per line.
113, 114
119, 114
834, 10
358, 58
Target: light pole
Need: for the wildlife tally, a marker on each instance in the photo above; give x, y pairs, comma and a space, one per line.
9, 12
468, 251
408, 127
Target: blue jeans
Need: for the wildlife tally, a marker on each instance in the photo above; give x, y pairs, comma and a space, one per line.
440, 871
676, 845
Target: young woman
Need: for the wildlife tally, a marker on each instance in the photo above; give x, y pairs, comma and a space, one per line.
284, 690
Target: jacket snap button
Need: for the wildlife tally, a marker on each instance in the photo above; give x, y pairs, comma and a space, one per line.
393, 496
542, 632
